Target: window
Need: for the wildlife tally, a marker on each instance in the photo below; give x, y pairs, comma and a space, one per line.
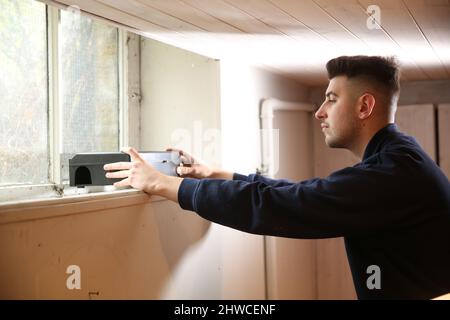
60, 89
89, 87
23, 91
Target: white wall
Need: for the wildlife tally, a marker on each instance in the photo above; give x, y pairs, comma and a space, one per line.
180, 103
181, 107
242, 90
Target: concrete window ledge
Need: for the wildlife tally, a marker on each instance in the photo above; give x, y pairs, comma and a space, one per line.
26, 210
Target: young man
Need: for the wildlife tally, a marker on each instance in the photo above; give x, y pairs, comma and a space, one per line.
392, 208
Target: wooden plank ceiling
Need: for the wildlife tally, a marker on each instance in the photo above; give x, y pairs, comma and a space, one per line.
294, 37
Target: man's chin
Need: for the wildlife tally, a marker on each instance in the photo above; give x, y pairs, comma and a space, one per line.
332, 143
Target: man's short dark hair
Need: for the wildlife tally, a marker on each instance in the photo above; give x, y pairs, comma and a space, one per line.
381, 71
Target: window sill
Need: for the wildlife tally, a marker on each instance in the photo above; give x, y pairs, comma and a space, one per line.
41, 208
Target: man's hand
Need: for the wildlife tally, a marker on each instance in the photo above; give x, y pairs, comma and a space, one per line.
141, 175
193, 168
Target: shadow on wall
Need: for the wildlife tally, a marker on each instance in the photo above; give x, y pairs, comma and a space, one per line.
177, 230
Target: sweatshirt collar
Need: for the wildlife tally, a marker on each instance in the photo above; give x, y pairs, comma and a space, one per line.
378, 139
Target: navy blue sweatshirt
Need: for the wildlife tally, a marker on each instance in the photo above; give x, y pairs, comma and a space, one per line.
392, 208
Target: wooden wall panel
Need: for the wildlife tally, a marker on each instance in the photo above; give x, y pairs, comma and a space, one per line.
444, 137
419, 121
334, 278
291, 263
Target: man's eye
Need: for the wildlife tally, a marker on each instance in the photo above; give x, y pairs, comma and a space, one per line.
331, 100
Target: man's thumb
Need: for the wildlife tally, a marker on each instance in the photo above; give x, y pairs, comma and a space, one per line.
184, 170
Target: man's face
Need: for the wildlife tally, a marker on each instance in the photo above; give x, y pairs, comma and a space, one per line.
338, 113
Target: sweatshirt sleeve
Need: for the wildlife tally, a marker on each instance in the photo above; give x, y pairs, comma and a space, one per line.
258, 177
350, 202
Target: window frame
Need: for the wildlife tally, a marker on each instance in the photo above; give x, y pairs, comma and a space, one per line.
56, 188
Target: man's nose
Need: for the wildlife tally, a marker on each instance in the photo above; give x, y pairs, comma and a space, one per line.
320, 113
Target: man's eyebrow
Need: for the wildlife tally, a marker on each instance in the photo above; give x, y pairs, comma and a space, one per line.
329, 93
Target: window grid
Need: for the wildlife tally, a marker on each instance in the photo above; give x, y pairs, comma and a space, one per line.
55, 186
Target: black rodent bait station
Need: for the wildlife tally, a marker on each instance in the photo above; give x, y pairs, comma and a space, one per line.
86, 169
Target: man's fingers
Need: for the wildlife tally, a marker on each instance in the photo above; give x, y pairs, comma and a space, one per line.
186, 161
184, 157
123, 183
133, 154
174, 149
181, 153
182, 171
117, 166
118, 174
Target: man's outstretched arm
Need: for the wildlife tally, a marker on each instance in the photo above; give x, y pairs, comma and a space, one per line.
141, 175
339, 205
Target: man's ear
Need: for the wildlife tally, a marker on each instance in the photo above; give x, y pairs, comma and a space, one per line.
366, 105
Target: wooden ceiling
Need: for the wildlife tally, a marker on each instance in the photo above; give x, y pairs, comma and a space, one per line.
294, 37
